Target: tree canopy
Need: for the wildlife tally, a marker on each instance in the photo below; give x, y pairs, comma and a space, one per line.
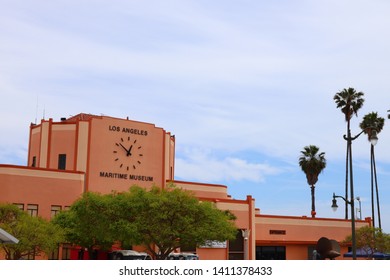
161, 220
372, 122
87, 223
35, 234
349, 101
312, 163
371, 240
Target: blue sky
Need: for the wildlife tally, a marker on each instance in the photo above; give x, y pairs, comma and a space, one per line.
244, 85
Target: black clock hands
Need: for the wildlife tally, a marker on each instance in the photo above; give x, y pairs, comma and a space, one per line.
132, 155
128, 151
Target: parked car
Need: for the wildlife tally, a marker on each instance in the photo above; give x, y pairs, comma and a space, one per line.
129, 255
183, 256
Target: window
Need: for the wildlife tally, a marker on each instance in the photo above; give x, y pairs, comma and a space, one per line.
55, 209
32, 210
34, 161
20, 206
62, 161
188, 248
270, 253
236, 247
277, 232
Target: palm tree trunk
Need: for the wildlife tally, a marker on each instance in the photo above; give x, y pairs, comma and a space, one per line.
313, 206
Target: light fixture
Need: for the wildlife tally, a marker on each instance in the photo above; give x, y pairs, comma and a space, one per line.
334, 203
373, 137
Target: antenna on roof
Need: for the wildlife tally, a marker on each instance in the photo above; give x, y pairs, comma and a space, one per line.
43, 117
36, 111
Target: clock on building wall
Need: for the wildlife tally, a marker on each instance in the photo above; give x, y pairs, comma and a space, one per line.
128, 153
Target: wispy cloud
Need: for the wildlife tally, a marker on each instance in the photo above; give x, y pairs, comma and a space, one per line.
196, 164
228, 78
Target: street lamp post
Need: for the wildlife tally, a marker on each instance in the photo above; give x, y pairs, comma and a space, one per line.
373, 139
334, 208
349, 140
374, 180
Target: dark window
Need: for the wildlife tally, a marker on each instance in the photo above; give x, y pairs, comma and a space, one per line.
270, 253
62, 161
188, 248
236, 247
34, 161
277, 232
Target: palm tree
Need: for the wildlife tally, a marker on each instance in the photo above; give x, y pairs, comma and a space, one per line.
312, 164
373, 125
350, 102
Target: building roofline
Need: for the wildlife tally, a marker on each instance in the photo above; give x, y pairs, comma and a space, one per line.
366, 220
40, 169
197, 183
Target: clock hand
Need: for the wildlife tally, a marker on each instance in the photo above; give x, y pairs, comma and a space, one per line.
124, 148
129, 151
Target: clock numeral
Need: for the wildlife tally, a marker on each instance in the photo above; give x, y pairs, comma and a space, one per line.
139, 162
141, 155
122, 139
134, 166
128, 138
115, 152
121, 165
116, 159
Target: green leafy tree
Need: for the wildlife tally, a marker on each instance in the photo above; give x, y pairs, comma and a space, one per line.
350, 102
87, 222
312, 163
372, 125
163, 220
371, 240
35, 234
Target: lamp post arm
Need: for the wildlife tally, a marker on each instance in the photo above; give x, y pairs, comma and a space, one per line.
354, 137
338, 196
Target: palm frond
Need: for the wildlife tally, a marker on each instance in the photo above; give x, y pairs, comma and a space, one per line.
350, 101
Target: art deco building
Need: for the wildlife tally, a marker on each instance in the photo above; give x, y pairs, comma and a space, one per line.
99, 153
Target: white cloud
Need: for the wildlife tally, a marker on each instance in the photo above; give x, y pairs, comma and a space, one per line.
203, 166
228, 78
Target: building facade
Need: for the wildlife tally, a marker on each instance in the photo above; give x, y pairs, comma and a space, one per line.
100, 154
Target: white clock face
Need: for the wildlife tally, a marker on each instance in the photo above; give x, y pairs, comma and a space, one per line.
127, 153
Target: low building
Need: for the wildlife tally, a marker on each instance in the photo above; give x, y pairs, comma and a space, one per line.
100, 154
